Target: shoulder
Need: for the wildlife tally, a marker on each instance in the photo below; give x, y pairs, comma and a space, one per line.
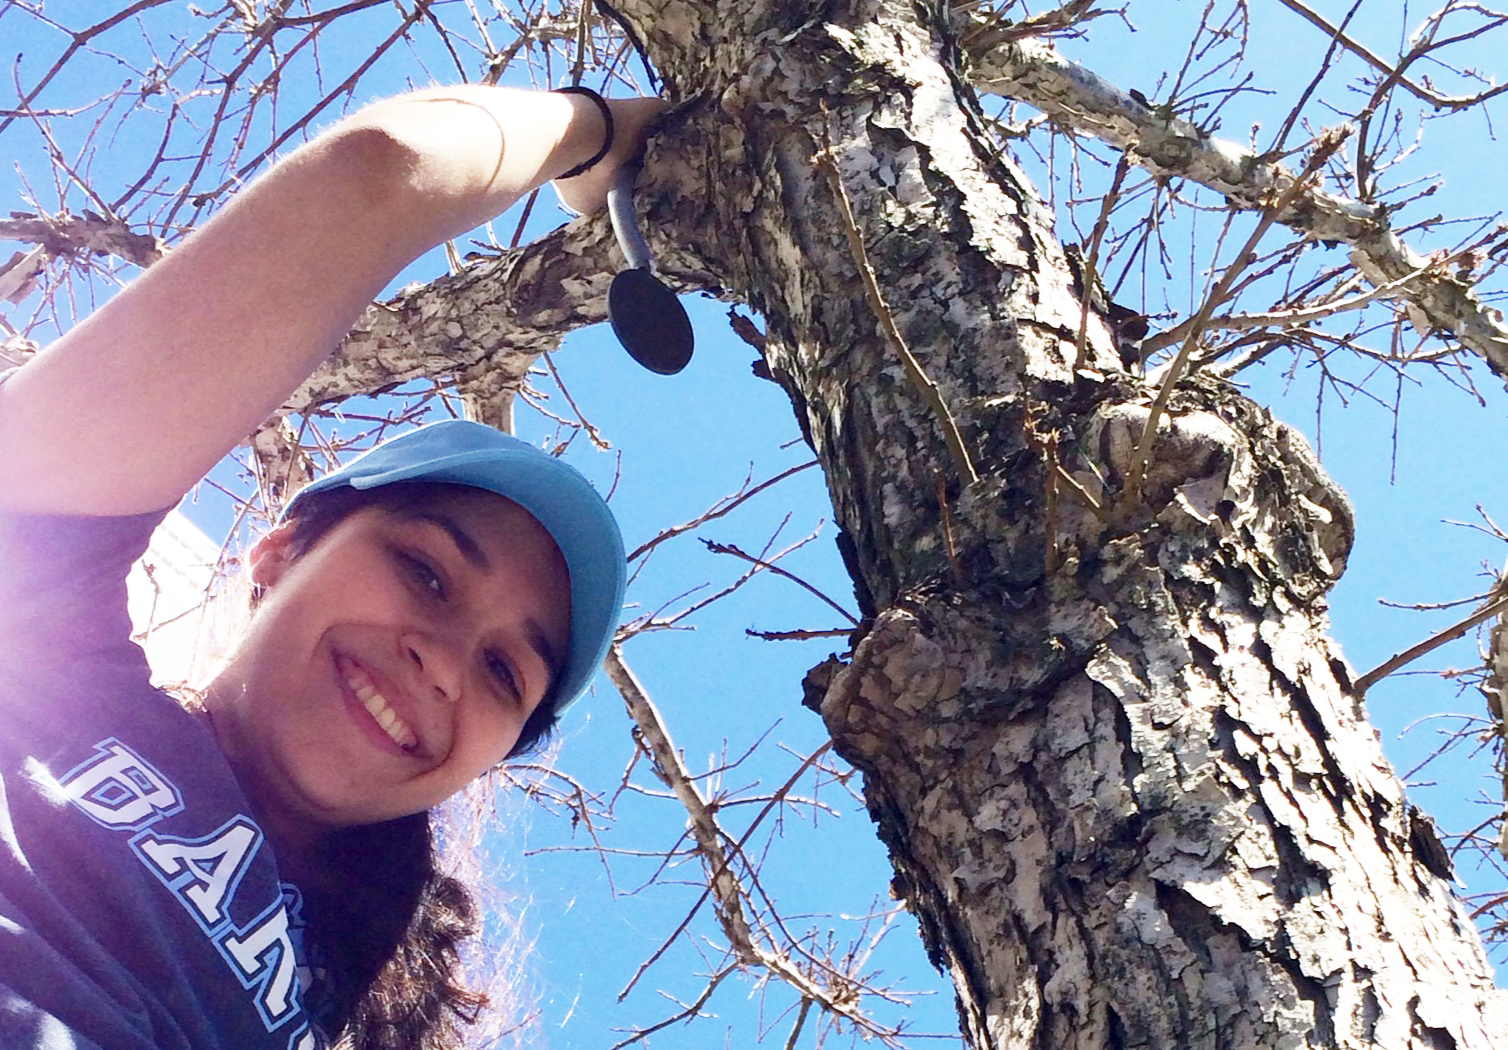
148, 900
63, 589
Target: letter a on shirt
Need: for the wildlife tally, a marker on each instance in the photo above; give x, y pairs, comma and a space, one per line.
203, 872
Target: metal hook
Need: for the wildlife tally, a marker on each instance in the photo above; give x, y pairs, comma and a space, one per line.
646, 316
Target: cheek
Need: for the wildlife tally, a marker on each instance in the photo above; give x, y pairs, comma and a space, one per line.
361, 590
489, 734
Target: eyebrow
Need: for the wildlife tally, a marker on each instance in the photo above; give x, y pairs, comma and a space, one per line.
540, 643
473, 552
470, 549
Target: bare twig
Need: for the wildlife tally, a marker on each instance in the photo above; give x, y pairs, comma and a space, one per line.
723, 885
1091, 278
1319, 311
1394, 73
919, 378
1033, 72
729, 548
798, 635
722, 507
1323, 149
1434, 641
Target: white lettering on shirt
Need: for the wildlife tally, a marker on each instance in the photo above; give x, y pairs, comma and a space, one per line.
120, 790
203, 872
263, 958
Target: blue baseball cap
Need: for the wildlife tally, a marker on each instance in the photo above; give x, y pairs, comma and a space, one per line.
560, 498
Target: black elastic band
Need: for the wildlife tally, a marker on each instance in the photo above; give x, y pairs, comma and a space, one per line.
607, 119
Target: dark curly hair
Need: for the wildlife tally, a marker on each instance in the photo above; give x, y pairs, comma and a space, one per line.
387, 936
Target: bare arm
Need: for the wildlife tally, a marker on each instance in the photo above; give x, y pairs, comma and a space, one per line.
130, 408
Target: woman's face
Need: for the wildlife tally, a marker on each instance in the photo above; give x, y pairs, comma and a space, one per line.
393, 662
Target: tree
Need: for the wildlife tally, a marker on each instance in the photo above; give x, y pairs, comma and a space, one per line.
1125, 780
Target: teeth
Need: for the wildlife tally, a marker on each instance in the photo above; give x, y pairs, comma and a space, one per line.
378, 707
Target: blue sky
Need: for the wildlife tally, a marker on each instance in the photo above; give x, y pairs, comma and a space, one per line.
687, 440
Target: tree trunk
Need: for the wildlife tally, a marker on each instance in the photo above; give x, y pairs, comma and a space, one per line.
1125, 784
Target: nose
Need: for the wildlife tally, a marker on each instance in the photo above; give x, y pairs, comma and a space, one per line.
435, 664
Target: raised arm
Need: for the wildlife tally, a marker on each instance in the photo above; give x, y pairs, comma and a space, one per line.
131, 407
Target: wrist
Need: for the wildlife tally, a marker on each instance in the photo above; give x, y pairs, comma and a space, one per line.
586, 101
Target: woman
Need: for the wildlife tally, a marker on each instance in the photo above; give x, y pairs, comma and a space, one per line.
259, 873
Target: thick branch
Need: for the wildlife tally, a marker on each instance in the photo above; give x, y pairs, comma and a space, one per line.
81, 236
1032, 71
495, 316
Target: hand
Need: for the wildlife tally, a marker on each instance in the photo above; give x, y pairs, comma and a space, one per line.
632, 117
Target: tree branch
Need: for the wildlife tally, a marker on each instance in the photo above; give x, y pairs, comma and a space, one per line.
1394, 73
80, 236
496, 315
724, 886
1434, 641
1032, 71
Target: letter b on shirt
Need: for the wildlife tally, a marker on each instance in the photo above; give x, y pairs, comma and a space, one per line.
120, 789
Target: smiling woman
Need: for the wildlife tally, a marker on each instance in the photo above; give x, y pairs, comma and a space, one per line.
407, 637
259, 871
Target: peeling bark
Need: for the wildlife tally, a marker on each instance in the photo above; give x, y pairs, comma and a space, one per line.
1187, 836
81, 236
1495, 689
1124, 780
495, 317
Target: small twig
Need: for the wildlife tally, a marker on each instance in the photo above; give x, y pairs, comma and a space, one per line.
583, 37
919, 378
723, 885
718, 509
1434, 641
658, 621
1323, 149
1305, 314
1422, 92
591, 431
523, 220
947, 529
797, 636
806, 1008
688, 1012
1091, 278
1072, 14
728, 548
703, 825
1050, 517
1084, 494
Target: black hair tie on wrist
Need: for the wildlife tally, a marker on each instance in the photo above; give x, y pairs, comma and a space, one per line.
607, 119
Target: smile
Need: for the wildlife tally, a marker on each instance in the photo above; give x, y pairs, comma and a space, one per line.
378, 707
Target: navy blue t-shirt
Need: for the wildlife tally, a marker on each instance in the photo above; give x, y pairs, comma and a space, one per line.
140, 906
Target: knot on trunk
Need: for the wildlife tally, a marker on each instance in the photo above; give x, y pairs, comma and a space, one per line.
893, 692
1225, 469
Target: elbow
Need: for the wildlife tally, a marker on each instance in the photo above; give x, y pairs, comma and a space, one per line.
379, 168
429, 161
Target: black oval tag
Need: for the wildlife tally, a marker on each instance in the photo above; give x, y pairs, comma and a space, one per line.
650, 322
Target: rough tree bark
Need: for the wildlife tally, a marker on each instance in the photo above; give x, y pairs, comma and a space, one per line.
1124, 781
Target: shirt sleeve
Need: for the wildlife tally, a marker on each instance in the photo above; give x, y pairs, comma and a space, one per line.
63, 612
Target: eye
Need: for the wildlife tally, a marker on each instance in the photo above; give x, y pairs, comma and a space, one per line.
422, 573
502, 672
